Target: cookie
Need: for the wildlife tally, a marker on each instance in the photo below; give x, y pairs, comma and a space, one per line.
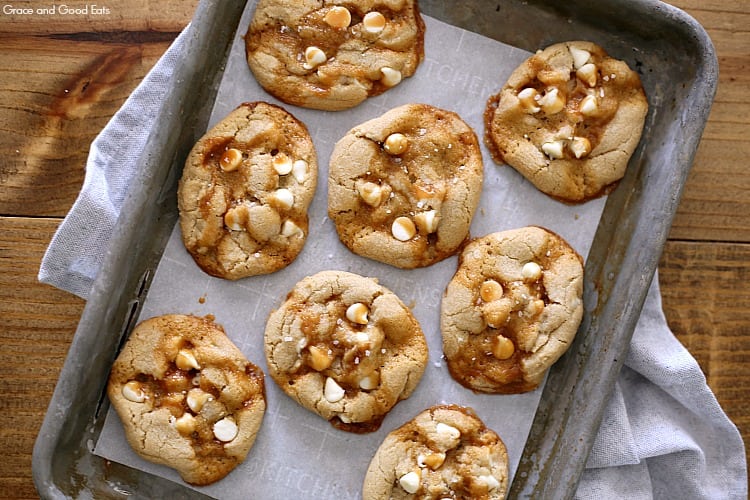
511, 310
444, 452
403, 187
568, 119
245, 190
346, 348
333, 55
187, 397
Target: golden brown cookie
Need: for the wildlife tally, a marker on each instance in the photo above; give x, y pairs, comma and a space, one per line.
444, 452
568, 119
346, 348
245, 190
511, 310
333, 55
187, 397
403, 187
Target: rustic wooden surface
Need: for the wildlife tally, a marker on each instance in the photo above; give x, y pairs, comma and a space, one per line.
62, 77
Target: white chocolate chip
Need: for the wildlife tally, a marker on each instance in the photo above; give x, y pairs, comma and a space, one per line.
502, 347
552, 101
427, 222
236, 218
373, 22
133, 392
580, 57
332, 391
432, 460
490, 290
314, 57
403, 229
396, 144
588, 74
531, 271
369, 382
553, 149
289, 229
588, 105
528, 100
371, 193
185, 360
319, 358
282, 164
534, 307
196, 399
225, 430
489, 481
185, 424
283, 198
496, 313
580, 146
390, 77
446, 431
444, 440
338, 17
357, 313
300, 170
230, 160
410, 482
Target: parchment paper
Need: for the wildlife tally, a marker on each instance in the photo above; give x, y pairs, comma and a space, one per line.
298, 454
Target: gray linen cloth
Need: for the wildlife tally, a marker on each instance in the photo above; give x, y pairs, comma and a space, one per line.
663, 434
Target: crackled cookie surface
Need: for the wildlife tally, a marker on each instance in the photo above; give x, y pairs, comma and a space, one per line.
346, 348
568, 119
403, 187
444, 452
333, 55
245, 190
511, 310
187, 397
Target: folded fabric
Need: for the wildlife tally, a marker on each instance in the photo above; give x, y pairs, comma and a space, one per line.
663, 435
79, 245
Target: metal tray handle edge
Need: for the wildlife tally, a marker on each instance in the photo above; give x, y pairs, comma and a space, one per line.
563, 431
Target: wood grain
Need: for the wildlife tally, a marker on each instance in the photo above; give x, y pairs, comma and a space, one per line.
715, 205
58, 95
706, 300
61, 80
37, 323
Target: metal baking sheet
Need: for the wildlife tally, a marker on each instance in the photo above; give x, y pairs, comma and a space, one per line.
446, 79
625, 251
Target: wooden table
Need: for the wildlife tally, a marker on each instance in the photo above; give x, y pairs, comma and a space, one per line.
63, 76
